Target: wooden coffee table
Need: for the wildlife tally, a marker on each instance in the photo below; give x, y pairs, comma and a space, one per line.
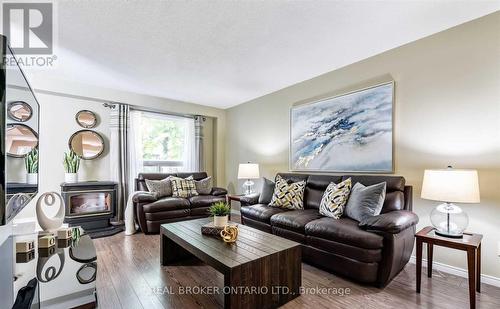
260, 270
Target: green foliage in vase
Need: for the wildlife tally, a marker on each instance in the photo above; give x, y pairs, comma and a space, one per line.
31, 161
71, 162
219, 209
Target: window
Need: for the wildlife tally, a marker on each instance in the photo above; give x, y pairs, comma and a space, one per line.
165, 143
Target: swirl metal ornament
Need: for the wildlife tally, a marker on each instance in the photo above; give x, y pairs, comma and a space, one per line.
229, 234
46, 223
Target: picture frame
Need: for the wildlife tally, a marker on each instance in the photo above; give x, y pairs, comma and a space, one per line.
352, 132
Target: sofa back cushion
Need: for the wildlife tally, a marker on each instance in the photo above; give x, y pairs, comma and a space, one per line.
394, 197
292, 177
140, 183
315, 188
196, 175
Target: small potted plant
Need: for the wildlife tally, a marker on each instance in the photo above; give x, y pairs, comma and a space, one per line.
220, 211
31, 163
71, 164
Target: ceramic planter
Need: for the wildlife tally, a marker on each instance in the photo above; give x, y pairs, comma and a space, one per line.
220, 221
32, 178
70, 177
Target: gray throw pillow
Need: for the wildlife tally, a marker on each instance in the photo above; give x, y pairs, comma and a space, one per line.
266, 192
365, 202
204, 186
160, 188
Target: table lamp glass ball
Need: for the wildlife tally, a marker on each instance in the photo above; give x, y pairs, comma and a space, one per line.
450, 186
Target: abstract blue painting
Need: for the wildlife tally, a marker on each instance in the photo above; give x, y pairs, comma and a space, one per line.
346, 133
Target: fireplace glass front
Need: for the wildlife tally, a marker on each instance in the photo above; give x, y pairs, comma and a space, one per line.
82, 203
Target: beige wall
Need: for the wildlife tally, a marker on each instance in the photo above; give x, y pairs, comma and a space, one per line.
447, 111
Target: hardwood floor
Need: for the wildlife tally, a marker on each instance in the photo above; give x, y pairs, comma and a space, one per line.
130, 276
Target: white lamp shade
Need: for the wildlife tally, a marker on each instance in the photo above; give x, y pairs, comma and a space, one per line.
451, 185
248, 171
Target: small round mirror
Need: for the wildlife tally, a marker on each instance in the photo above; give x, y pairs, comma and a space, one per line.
19, 111
20, 140
87, 144
86, 119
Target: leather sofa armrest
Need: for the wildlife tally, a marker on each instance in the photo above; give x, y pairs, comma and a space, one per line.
391, 222
144, 198
218, 191
251, 199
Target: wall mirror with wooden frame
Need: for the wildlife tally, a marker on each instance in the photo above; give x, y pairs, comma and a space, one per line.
87, 144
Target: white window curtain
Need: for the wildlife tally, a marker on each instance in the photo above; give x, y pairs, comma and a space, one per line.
190, 163
136, 165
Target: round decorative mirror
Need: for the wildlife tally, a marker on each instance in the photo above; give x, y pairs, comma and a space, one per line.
86, 119
20, 140
87, 144
19, 111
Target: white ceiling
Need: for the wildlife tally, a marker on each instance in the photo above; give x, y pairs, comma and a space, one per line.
223, 53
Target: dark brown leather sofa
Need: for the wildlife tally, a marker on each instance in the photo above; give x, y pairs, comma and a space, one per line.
371, 252
151, 213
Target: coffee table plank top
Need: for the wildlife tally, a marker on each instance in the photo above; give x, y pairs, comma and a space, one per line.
252, 244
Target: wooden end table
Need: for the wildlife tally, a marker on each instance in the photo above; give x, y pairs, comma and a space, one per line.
471, 243
234, 197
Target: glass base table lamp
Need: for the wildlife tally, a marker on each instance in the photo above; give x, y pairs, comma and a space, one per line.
450, 186
248, 171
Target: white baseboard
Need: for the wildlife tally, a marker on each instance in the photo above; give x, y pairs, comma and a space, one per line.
457, 271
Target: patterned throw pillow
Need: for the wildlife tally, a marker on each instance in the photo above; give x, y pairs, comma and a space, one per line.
183, 187
204, 186
335, 198
159, 188
289, 196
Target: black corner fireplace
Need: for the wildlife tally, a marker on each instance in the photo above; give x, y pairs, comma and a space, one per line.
91, 205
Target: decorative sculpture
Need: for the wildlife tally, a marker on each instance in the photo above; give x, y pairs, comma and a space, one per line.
46, 271
46, 223
229, 233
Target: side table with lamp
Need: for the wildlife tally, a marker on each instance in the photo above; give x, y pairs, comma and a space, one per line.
246, 171
450, 221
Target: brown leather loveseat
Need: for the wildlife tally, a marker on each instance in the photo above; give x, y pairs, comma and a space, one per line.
150, 213
372, 252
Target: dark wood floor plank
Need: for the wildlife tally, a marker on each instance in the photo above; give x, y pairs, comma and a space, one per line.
124, 290
147, 298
